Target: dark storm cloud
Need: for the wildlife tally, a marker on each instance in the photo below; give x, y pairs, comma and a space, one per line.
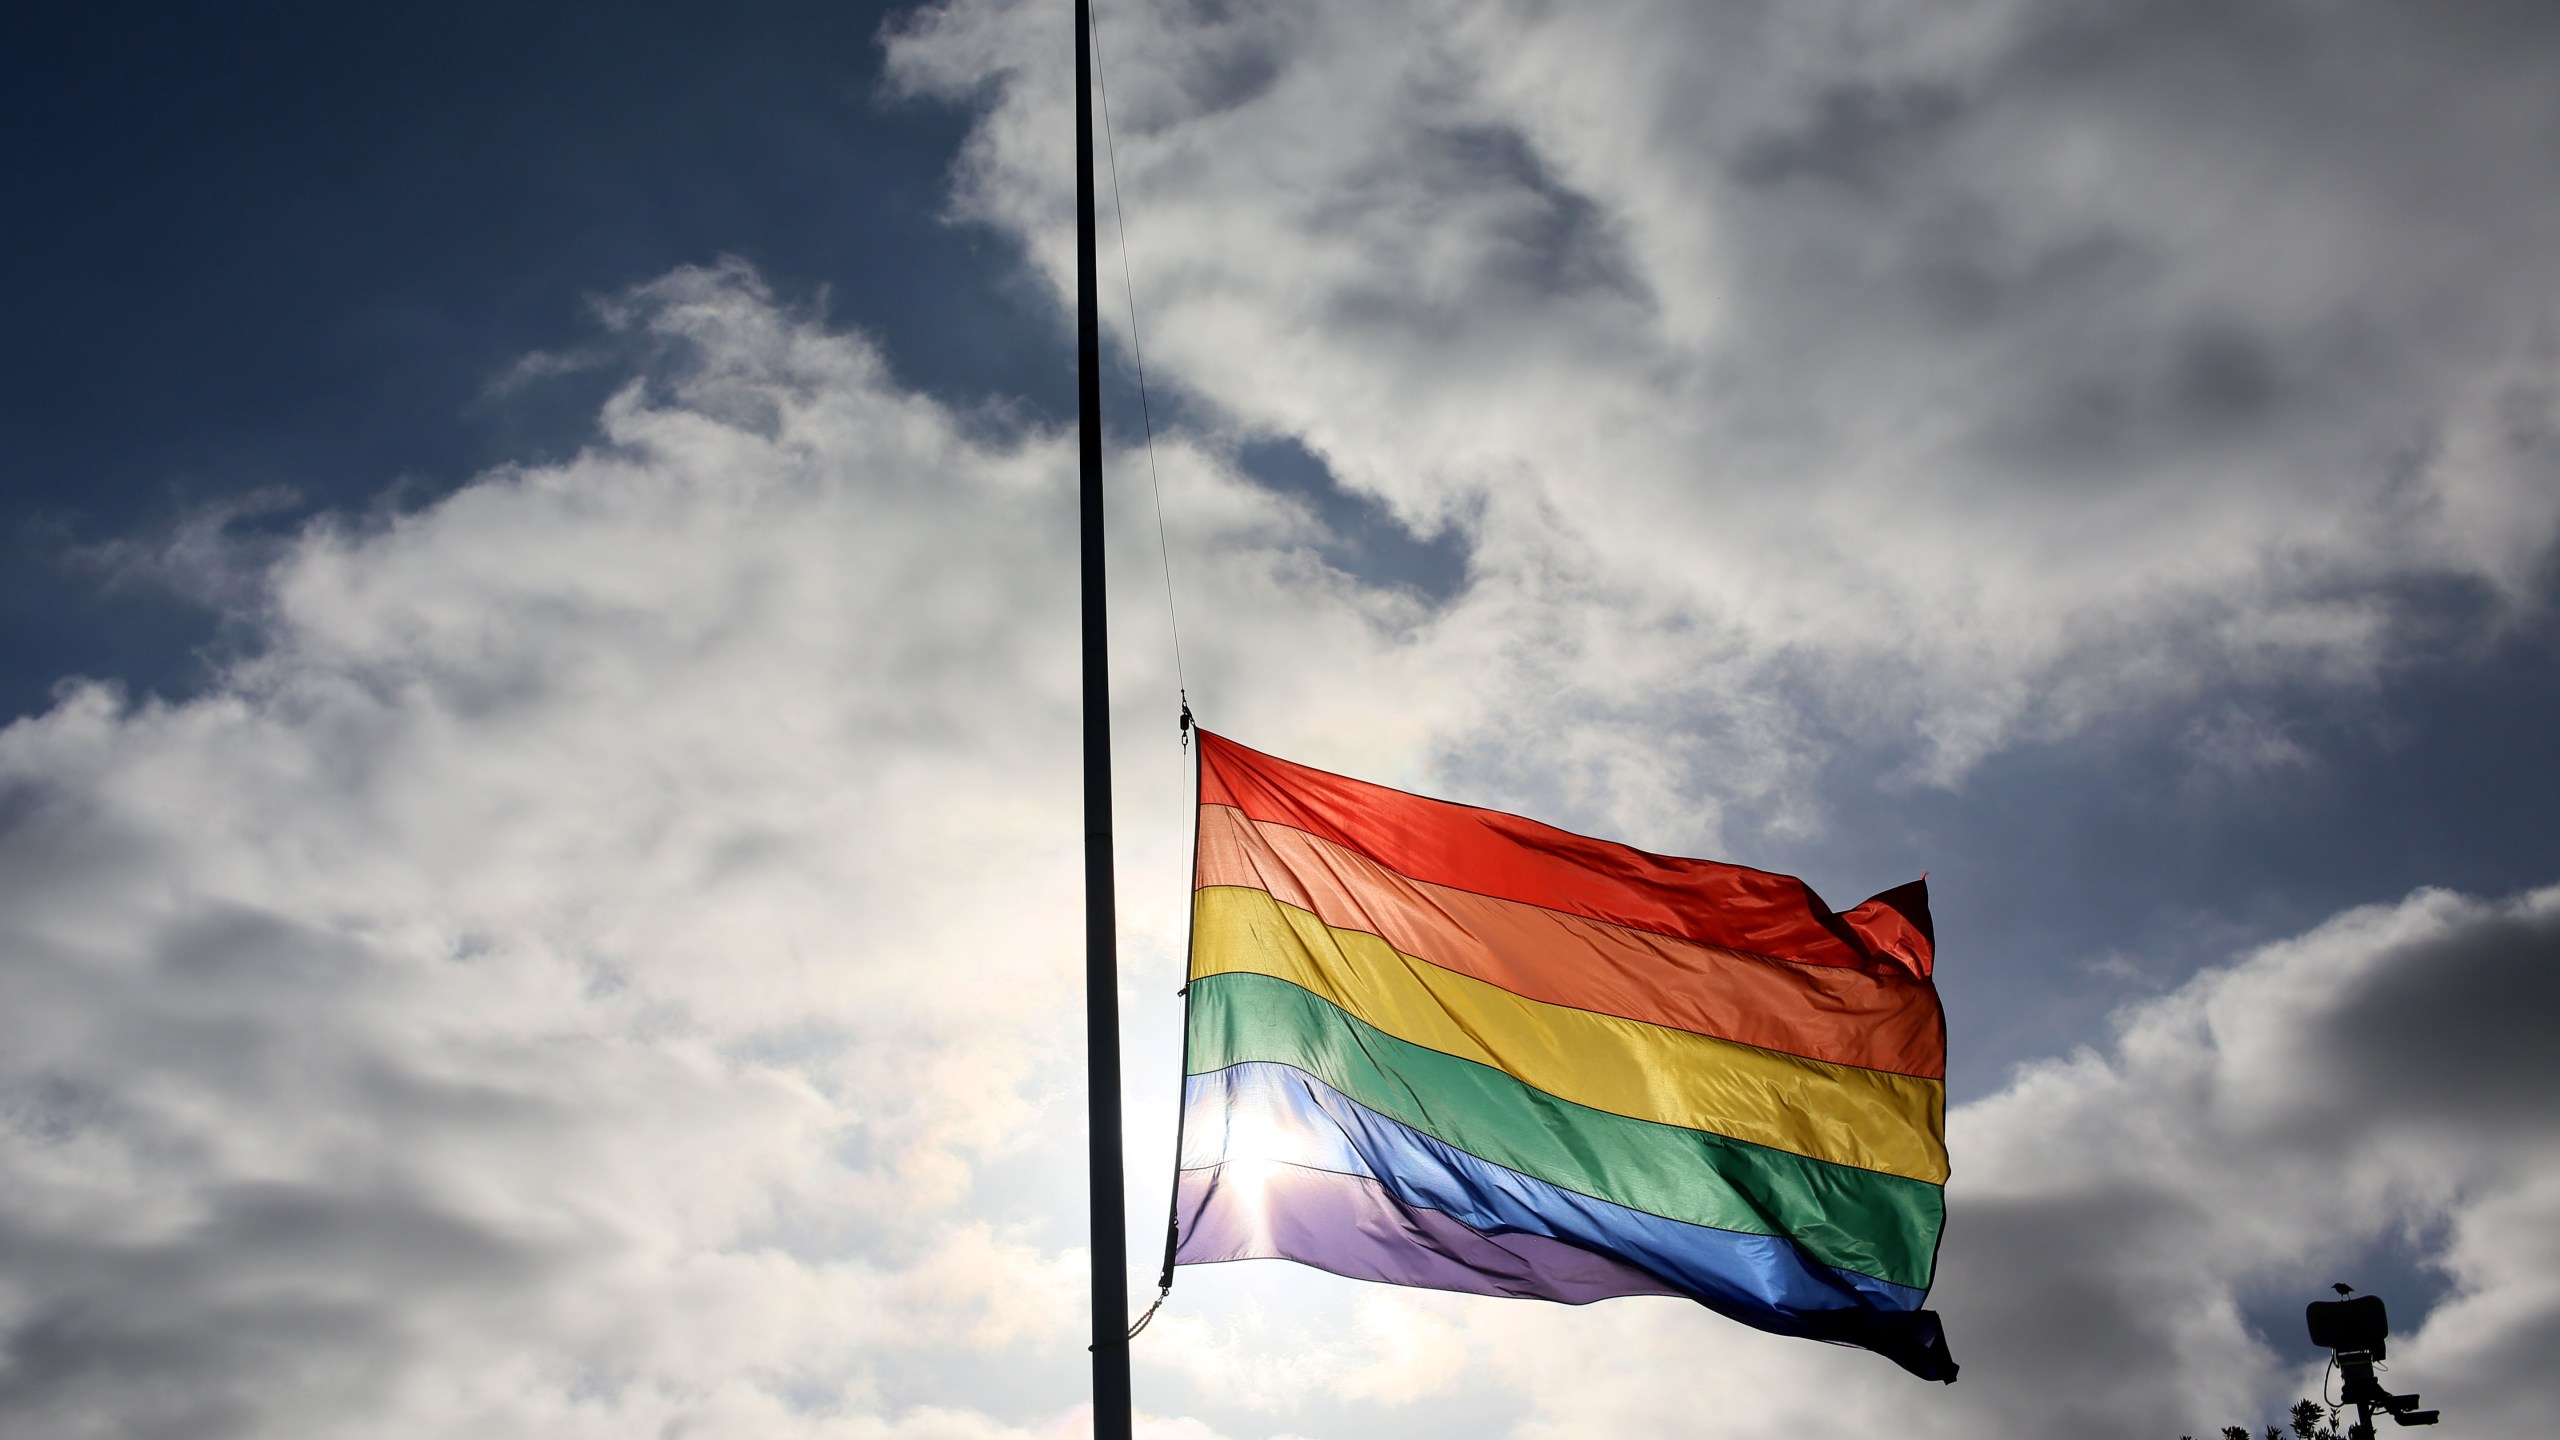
216, 1301
1551, 239
270, 1301
2461, 1032
2179, 390
1860, 137
1233, 53
2043, 1294
2399, 1058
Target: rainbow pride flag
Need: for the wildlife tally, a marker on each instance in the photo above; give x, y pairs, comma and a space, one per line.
1435, 1045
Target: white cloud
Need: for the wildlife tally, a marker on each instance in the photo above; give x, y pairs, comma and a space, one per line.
1984, 370
604, 964
572, 978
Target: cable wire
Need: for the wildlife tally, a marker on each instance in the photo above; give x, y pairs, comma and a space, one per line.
1138, 354
1164, 556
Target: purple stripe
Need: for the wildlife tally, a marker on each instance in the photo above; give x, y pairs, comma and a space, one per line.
1351, 1225
1266, 1112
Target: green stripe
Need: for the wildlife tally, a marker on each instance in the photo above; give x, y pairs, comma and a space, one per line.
1862, 1220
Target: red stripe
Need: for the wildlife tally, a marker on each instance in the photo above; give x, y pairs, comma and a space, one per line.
1879, 1020
1511, 858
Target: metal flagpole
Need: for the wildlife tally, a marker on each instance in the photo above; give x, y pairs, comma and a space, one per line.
1111, 1415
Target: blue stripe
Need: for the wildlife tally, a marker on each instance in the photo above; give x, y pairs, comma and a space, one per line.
1269, 1112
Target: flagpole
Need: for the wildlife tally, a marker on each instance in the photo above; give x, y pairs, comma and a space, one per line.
1111, 1413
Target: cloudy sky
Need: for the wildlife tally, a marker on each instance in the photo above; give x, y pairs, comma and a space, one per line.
538, 888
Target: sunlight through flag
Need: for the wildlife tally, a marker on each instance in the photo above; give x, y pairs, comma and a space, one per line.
1441, 1046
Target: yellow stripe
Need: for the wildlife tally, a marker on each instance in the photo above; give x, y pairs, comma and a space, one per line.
1872, 1119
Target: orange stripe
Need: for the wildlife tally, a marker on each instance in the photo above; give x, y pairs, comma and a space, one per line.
1878, 1021
1492, 853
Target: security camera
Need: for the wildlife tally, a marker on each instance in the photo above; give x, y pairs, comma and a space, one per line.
2358, 1324
2356, 1332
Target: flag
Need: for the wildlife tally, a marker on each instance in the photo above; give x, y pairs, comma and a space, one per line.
1429, 1044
